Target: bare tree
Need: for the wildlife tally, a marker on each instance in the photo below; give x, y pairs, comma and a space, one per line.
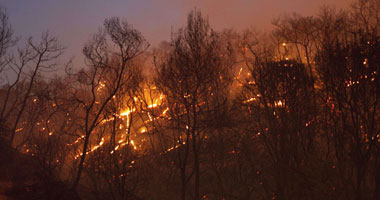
348, 71
6, 39
279, 98
38, 58
193, 80
108, 54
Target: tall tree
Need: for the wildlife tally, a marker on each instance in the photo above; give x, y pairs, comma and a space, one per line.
6, 39
350, 84
38, 58
108, 55
194, 79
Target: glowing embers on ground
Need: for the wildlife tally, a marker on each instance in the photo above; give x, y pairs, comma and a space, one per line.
77, 140
143, 130
164, 112
125, 115
351, 82
239, 73
19, 129
174, 147
134, 134
279, 103
101, 86
97, 146
156, 102
122, 143
151, 118
250, 100
92, 149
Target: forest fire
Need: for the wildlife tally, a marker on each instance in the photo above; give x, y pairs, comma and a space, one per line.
211, 114
125, 115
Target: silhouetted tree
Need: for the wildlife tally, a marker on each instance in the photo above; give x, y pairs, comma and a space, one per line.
350, 85
279, 98
108, 57
194, 80
6, 39
38, 58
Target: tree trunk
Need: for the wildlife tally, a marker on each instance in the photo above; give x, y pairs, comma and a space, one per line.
81, 163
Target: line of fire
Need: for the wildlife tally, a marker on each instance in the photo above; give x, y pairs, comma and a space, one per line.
289, 114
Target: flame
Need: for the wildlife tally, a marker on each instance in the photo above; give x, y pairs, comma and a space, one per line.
250, 100
19, 129
174, 147
143, 130
279, 103
165, 111
152, 105
156, 102
238, 76
94, 148
127, 112
77, 140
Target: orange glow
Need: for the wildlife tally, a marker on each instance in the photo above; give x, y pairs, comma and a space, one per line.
250, 100
143, 130
165, 111
127, 112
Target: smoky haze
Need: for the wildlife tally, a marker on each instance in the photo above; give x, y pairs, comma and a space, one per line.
74, 21
175, 99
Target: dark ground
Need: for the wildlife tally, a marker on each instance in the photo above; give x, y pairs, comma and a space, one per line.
20, 178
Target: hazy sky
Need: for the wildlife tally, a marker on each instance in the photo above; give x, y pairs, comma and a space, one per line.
73, 21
